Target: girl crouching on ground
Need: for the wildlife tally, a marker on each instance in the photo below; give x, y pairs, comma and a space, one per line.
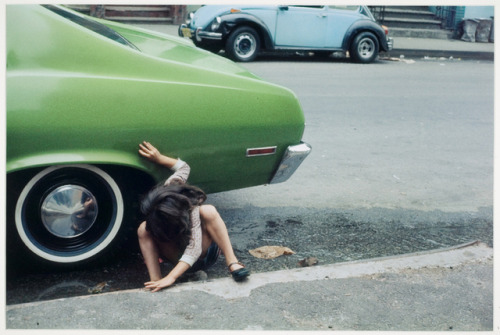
179, 228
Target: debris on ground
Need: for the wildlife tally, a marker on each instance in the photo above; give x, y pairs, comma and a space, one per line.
98, 288
396, 59
269, 252
308, 261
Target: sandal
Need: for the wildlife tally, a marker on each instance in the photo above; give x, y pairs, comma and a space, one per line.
240, 274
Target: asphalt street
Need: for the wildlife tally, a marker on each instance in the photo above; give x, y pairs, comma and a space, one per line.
398, 135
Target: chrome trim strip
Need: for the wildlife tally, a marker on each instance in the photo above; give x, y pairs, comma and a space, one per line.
293, 157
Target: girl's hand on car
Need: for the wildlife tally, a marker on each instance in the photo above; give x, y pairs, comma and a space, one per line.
148, 151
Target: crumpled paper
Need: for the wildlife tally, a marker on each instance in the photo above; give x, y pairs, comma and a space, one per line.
269, 252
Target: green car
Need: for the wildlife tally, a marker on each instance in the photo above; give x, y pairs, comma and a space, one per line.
82, 93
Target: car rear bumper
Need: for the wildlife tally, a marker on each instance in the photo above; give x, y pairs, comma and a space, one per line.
390, 43
293, 157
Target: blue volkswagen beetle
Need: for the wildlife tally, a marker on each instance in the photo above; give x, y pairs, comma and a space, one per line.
244, 31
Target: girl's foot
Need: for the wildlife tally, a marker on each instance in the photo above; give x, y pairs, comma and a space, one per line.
238, 271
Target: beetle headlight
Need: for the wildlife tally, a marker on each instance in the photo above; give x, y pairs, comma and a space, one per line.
216, 23
190, 18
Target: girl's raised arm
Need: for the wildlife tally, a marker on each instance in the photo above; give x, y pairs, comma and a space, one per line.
148, 151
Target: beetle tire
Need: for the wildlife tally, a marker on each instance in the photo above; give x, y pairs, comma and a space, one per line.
50, 198
243, 44
364, 48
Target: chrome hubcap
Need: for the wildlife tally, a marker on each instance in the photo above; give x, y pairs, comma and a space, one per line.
366, 47
245, 45
69, 211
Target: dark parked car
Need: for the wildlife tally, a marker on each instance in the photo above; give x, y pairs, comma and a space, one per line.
244, 30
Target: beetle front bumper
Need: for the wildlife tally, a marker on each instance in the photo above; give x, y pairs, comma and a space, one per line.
198, 33
293, 157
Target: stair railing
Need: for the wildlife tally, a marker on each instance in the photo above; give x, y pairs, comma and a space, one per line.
378, 12
447, 16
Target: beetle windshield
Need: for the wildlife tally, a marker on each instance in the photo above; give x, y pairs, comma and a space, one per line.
92, 25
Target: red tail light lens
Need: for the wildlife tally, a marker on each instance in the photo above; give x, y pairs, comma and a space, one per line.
261, 151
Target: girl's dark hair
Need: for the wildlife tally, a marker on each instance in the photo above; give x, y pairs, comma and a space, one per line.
167, 209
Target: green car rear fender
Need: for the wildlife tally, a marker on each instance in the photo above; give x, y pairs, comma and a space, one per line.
102, 98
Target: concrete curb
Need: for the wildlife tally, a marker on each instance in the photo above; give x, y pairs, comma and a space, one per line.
449, 257
436, 290
229, 289
465, 55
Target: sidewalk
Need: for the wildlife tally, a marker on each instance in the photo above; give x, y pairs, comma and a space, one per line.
428, 47
450, 289
409, 47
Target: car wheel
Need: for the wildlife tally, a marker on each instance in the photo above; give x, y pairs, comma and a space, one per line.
69, 214
243, 44
364, 48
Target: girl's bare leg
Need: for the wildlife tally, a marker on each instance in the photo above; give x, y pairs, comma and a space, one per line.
150, 252
217, 230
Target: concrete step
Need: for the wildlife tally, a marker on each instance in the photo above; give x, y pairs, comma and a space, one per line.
409, 8
421, 33
412, 23
132, 14
139, 19
138, 13
147, 8
409, 14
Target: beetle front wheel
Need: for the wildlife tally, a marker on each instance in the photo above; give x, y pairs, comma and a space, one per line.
243, 44
69, 214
